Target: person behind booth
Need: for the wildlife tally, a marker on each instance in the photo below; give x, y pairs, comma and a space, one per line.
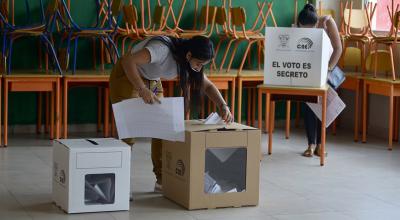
138, 74
308, 18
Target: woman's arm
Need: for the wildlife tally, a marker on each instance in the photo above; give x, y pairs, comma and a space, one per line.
129, 65
334, 36
213, 93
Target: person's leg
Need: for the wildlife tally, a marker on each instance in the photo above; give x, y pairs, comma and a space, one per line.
317, 148
310, 126
156, 144
156, 155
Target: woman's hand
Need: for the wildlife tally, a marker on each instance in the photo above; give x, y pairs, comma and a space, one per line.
226, 114
148, 96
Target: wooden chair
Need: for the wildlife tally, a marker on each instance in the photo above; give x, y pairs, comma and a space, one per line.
382, 85
72, 32
157, 24
90, 78
357, 30
31, 81
240, 34
207, 22
130, 31
390, 40
352, 57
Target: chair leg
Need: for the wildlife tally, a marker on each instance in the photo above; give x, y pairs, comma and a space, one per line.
58, 108
253, 107
240, 99
65, 109
259, 112
47, 114
375, 59
213, 64
391, 112
249, 97
53, 53
396, 120
356, 111
392, 63
233, 55
106, 112
5, 113
52, 115
10, 52
246, 54
75, 54
226, 54
364, 113
267, 112
99, 108
288, 106
39, 113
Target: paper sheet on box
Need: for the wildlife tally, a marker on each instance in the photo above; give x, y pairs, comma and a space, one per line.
334, 106
165, 121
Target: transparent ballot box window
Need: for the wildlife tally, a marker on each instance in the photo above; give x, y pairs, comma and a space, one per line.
225, 170
99, 189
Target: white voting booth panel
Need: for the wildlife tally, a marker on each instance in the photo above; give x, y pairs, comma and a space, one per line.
91, 175
296, 57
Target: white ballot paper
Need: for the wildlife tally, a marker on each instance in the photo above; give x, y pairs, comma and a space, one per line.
214, 119
334, 106
134, 118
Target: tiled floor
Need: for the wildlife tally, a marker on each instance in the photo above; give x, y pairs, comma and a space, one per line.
359, 181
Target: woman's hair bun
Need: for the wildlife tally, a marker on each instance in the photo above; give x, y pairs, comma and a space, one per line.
309, 7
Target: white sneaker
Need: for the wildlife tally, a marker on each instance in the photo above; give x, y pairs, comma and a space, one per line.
158, 188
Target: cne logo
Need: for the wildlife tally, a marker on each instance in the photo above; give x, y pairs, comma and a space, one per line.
180, 168
305, 43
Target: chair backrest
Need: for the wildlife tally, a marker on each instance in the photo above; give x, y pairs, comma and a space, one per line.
383, 62
4, 8
352, 57
355, 18
212, 10
130, 14
238, 16
158, 16
221, 17
116, 7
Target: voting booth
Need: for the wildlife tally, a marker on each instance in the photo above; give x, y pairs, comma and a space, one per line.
216, 166
296, 56
91, 175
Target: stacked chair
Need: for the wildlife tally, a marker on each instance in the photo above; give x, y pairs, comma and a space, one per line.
370, 56
47, 81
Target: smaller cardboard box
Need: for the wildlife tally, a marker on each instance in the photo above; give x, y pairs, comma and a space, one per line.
91, 175
296, 56
217, 166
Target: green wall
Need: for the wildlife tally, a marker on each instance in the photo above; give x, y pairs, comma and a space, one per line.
83, 101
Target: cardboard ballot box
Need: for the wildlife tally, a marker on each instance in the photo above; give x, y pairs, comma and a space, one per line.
91, 175
216, 166
296, 56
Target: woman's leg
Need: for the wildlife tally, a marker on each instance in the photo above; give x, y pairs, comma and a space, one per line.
156, 155
310, 123
156, 144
